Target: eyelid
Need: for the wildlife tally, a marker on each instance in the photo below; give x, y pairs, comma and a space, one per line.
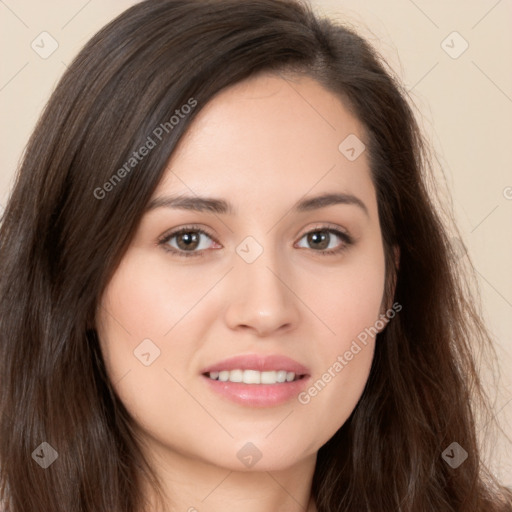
189, 227
319, 226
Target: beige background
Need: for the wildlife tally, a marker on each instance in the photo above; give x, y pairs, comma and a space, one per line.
464, 104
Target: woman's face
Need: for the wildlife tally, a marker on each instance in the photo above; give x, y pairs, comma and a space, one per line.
256, 284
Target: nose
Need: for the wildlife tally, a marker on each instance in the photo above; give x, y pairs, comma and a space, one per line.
262, 298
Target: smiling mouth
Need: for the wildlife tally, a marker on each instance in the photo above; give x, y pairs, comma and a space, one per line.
254, 376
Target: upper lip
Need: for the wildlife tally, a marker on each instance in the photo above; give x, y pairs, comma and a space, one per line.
258, 362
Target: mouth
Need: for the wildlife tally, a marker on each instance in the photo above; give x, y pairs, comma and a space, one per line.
257, 380
254, 376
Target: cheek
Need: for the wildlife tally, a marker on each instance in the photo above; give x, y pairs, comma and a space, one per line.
141, 304
343, 360
349, 305
349, 299
148, 299
146, 308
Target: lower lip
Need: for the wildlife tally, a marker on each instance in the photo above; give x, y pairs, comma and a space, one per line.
258, 395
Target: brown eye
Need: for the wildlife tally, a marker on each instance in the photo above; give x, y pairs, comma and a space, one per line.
323, 240
188, 241
319, 239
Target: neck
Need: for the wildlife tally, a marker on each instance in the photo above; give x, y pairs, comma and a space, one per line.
193, 485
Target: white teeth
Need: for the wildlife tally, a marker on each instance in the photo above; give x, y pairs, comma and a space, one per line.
236, 376
253, 376
281, 375
268, 377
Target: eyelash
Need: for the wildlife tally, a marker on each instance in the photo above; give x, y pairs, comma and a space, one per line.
345, 237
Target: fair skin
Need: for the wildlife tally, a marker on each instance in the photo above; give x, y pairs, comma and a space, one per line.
261, 145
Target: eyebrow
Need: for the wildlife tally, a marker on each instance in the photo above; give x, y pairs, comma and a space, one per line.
220, 206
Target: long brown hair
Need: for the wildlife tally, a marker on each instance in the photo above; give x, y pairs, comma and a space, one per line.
61, 239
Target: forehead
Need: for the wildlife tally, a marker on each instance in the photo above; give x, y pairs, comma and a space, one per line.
269, 135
